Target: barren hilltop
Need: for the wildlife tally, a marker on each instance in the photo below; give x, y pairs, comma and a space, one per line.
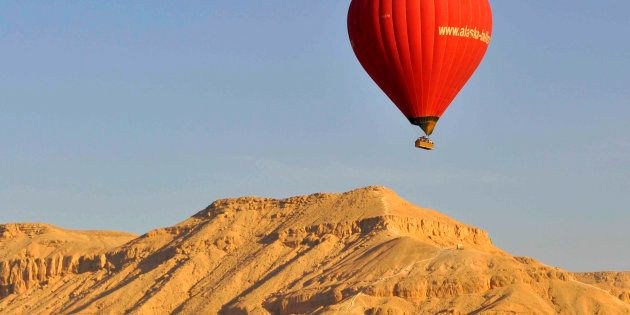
362, 252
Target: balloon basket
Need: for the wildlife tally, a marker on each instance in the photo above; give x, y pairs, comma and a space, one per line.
425, 143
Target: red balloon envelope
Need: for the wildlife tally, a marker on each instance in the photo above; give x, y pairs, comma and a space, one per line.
421, 53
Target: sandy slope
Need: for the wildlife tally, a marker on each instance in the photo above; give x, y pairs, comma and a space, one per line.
362, 252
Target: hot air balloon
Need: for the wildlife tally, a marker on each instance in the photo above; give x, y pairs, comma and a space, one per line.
420, 53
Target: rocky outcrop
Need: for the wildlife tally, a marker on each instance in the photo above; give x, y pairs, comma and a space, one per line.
35, 255
431, 231
18, 275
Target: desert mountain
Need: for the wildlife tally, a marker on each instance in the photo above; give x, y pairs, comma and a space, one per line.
363, 252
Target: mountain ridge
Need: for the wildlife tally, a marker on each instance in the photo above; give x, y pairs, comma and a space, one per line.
366, 251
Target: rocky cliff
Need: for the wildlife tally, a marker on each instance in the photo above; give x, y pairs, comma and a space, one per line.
32, 255
362, 252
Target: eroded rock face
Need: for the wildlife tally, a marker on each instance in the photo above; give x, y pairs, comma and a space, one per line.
18, 275
34, 255
366, 251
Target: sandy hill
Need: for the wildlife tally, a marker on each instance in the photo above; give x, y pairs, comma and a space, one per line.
363, 252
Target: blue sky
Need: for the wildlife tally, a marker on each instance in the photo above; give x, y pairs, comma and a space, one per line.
130, 116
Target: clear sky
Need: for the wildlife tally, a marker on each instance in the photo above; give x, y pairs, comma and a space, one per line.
130, 116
